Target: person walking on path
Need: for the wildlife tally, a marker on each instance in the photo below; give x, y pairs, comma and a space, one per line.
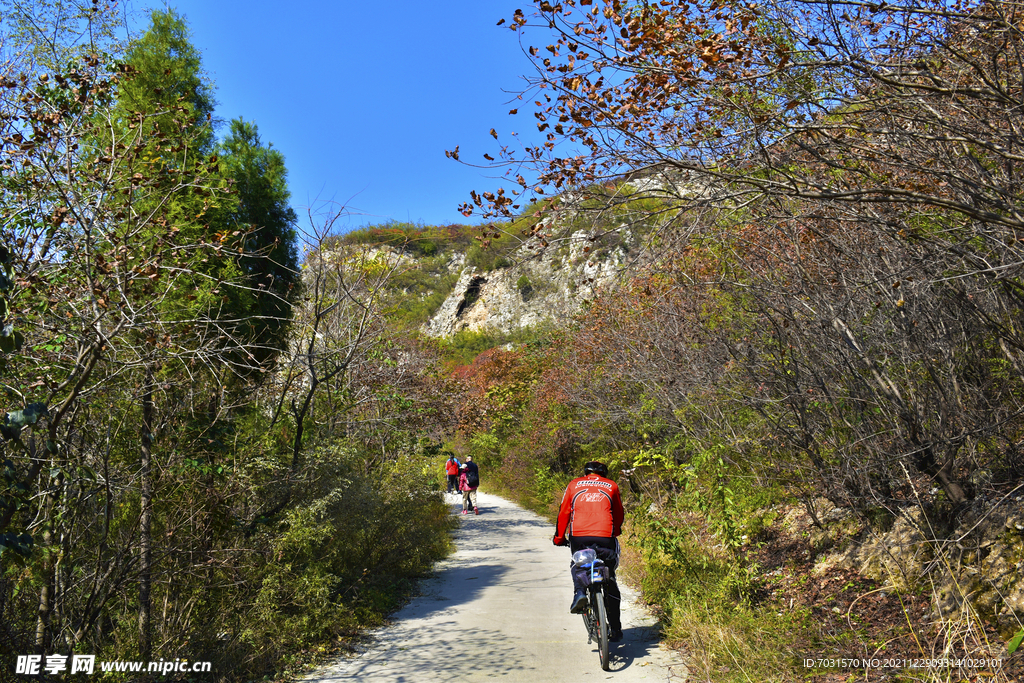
591, 516
451, 469
469, 482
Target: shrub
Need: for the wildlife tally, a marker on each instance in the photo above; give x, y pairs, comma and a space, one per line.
342, 558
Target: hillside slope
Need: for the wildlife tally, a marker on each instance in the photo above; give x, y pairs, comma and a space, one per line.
533, 289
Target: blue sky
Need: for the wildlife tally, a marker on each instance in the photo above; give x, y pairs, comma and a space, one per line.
363, 98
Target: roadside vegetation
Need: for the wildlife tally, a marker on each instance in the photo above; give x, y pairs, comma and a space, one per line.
821, 349
210, 451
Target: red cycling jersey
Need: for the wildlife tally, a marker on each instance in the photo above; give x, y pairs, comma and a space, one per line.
591, 506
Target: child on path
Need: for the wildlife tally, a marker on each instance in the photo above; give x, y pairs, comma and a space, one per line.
451, 469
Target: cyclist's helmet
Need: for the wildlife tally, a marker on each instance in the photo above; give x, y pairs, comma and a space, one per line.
594, 467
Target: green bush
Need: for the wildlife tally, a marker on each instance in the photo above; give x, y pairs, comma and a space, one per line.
492, 253
419, 240
419, 292
464, 346
343, 557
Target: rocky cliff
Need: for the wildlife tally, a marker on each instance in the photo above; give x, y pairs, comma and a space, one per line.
533, 289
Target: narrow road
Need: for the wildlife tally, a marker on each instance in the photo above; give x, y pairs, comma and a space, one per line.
498, 608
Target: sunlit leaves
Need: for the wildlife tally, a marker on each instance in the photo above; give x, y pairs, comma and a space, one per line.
16, 420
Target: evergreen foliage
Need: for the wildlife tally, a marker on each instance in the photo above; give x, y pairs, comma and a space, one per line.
269, 264
156, 493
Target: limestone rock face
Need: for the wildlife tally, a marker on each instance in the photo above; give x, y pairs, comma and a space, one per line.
977, 569
549, 288
987, 562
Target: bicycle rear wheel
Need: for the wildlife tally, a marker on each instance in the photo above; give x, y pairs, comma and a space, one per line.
601, 614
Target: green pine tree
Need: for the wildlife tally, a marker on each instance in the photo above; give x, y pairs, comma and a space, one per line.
262, 214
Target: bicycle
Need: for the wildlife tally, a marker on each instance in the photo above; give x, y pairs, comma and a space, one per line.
592, 573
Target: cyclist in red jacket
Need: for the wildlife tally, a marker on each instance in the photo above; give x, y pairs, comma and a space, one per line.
591, 517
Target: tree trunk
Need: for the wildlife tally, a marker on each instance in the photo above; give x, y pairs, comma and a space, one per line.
46, 591
146, 519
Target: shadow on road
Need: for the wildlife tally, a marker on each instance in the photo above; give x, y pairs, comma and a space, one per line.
433, 658
637, 643
492, 522
490, 517
453, 585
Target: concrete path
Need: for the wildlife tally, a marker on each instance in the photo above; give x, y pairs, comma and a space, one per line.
498, 608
